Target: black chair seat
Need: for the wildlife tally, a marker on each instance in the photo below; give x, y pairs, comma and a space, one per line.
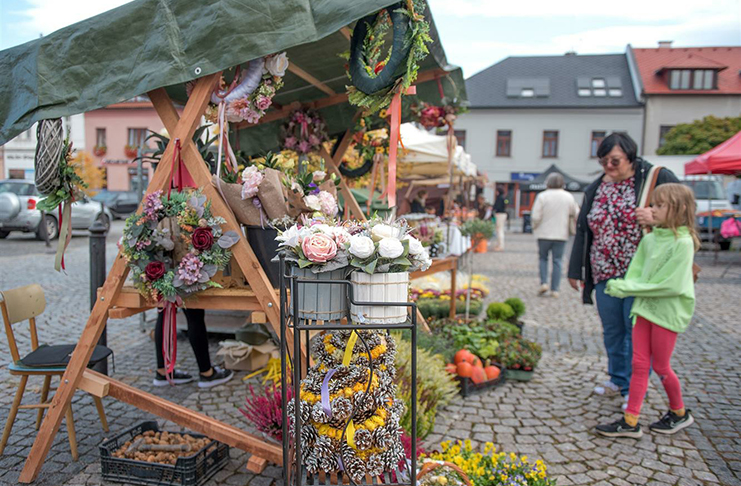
59, 355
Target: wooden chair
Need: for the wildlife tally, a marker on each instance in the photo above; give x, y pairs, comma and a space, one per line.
21, 304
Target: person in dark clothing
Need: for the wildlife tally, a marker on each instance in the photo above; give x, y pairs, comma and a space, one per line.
418, 204
209, 375
500, 212
608, 230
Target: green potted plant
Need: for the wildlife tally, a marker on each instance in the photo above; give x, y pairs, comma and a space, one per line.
480, 231
520, 357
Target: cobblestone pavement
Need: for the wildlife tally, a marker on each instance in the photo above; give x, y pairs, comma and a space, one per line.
550, 417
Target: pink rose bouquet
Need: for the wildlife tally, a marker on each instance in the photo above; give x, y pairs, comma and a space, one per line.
319, 248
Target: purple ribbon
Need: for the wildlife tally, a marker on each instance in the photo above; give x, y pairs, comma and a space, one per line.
325, 393
256, 202
339, 462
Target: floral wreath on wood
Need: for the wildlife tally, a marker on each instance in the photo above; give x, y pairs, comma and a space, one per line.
175, 246
304, 132
250, 93
375, 81
370, 145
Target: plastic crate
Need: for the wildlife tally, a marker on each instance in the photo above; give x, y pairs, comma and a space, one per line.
188, 471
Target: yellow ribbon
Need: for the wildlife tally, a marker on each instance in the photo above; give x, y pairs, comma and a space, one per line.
350, 432
348, 350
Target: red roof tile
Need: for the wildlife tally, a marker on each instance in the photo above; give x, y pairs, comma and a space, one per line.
654, 63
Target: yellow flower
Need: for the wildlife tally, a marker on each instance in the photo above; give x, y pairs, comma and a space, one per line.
383, 113
524, 459
467, 443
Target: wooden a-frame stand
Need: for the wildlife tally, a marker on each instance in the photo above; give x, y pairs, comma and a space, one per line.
259, 296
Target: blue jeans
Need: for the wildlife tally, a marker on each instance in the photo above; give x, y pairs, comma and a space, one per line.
617, 329
556, 248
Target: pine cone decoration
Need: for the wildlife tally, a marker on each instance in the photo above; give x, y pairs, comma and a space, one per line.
309, 435
323, 447
318, 415
311, 461
329, 464
374, 466
341, 408
354, 466
363, 439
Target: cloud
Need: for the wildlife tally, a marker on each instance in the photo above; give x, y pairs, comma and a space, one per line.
46, 16
636, 10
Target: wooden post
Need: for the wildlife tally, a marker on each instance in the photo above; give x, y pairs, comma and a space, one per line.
96, 322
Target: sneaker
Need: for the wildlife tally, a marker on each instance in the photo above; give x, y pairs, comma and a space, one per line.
543, 289
671, 423
554, 294
620, 429
178, 378
607, 388
218, 377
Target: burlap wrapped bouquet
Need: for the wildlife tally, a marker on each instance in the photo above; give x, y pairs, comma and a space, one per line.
255, 206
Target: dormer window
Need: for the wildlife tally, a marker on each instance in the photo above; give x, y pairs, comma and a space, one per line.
598, 83
599, 92
698, 79
527, 93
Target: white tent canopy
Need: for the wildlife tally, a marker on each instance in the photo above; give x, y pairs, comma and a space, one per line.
426, 155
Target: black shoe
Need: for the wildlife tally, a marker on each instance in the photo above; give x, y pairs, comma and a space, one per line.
178, 378
620, 429
219, 376
671, 423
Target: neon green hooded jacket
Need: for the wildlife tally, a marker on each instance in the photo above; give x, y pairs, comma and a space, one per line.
660, 279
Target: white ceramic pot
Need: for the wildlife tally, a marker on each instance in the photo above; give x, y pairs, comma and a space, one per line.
320, 302
379, 287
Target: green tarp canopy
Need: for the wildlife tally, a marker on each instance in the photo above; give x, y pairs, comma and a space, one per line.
149, 44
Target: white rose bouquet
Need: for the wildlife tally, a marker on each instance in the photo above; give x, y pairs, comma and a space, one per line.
386, 247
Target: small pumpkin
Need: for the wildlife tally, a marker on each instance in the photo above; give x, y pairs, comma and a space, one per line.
477, 362
463, 355
478, 375
492, 372
464, 369
451, 368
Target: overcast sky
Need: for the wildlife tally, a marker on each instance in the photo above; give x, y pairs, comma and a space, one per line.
479, 33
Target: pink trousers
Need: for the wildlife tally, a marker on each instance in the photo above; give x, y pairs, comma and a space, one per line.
653, 346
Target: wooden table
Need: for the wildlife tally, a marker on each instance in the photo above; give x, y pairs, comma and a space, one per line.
442, 265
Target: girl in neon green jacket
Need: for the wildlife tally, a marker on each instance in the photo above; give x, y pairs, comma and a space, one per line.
660, 278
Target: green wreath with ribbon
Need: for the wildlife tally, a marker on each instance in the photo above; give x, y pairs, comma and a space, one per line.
376, 79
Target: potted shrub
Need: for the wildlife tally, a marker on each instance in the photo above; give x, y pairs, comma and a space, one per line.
520, 357
316, 250
480, 231
382, 255
508, 311
100, 150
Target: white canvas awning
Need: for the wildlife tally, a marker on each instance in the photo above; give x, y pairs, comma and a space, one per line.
425, 155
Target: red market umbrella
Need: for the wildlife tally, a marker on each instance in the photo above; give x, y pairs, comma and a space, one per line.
724, 159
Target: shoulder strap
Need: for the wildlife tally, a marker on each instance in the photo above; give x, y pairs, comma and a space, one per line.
653, 175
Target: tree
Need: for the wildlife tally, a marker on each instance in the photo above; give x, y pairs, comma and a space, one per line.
91, 173
699, 136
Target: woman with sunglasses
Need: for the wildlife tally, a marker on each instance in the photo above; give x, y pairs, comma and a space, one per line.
609, 228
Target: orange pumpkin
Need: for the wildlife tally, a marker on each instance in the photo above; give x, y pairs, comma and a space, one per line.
451, 368
463, 355
464, 369
477, 362
478, 375
492, 372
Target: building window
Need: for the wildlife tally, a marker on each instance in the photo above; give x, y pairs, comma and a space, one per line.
550, 143
700, 79
137, 137
597, 138
460, 135
585, 92
663, 130
527, 93
615, 92
598, 83
504, 143
100, 137
599, 92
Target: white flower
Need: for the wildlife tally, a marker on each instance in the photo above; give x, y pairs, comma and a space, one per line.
328, 204
289, 237
277, 64
415, 247
319, 175
381, 231
425, 262
341, 236
361, 246
322, 228
390, 248
312, 202
296, 187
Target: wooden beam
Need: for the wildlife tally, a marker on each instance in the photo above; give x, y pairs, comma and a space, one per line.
310, 79
92, 383
331, 100
96, 322
346, 32
190, 419
239, 298
438, 265
123, 312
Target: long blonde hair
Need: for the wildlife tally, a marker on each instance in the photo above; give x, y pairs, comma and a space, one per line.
680, 201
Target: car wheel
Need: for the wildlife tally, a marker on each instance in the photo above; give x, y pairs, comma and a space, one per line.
103, 218
52, 228
4, 234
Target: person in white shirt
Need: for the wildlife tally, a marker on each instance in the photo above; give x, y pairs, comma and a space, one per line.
554, 220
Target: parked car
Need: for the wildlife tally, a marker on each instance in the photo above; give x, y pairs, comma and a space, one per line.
121, 203
18, 211
710, 195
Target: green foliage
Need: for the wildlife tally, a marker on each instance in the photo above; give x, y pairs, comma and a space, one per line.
478, 228
519, 353
499, 311
435, 387
440, 308
517, 305
699, 136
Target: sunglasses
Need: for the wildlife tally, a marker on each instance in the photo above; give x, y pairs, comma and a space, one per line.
613, 162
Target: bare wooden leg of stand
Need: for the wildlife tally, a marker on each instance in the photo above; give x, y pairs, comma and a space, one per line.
13, 412
71, 432
256, 464
44, 397
101, 413
453, 274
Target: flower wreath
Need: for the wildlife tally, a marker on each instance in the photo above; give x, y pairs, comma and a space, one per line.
251, 92
305, 131
370, 145
375, 79
175, 246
